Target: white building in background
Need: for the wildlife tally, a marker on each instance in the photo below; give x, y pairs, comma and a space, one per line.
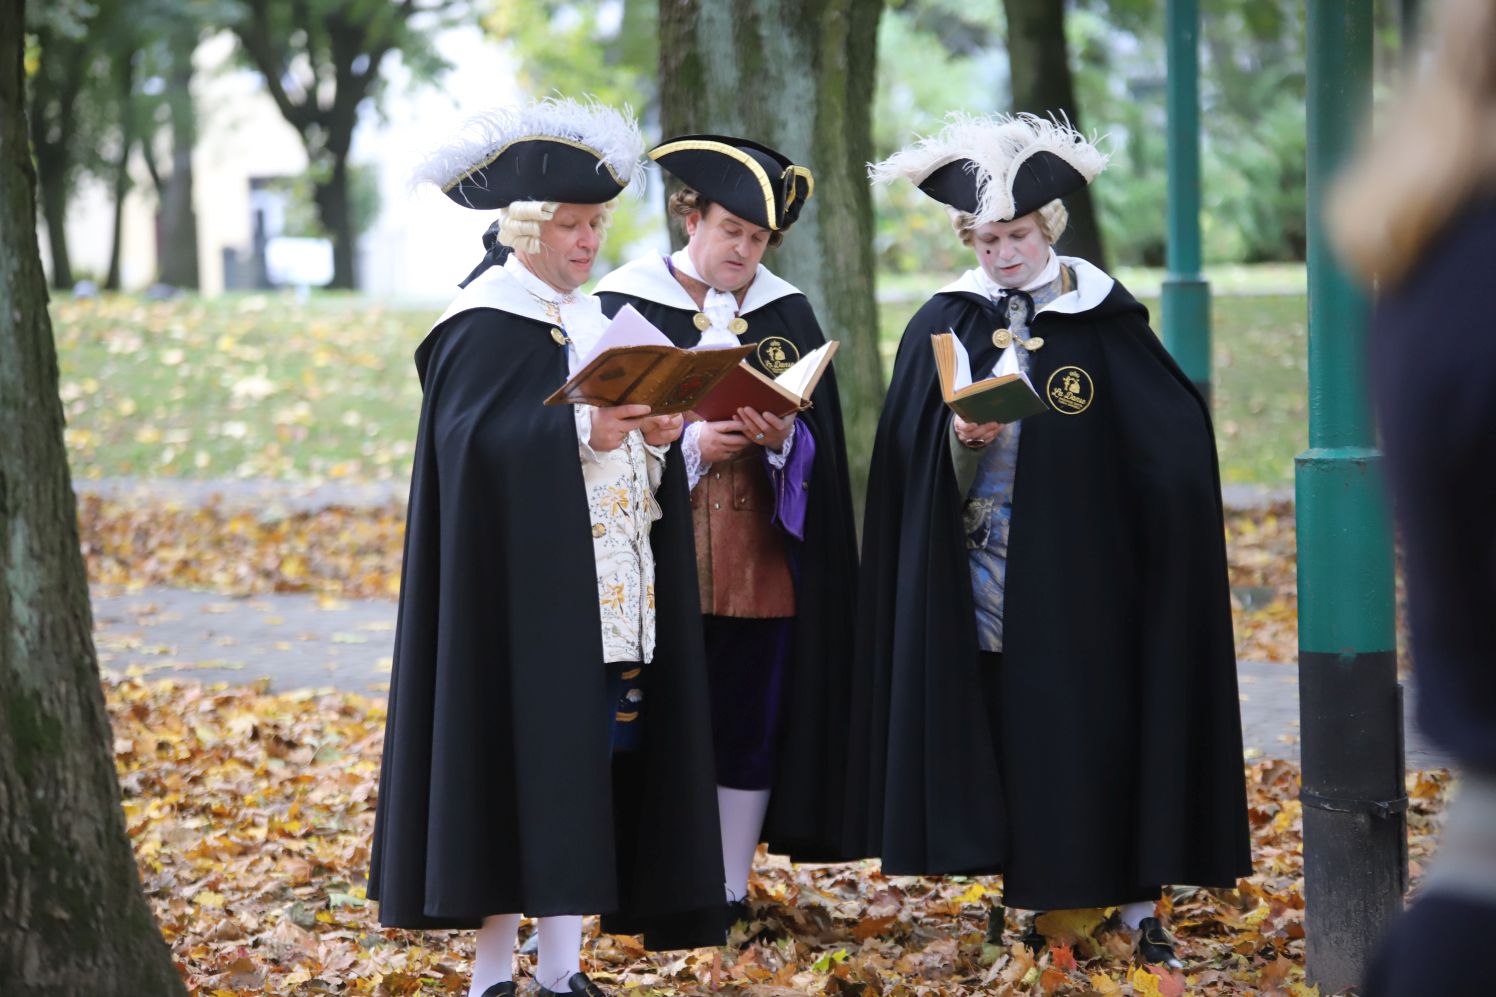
421, 243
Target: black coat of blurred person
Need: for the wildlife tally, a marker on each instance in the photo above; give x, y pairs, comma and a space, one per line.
1046, 681
547, 750
1417, 213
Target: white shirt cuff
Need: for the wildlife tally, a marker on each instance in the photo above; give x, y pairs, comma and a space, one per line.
583, 415
778, 460
690, 448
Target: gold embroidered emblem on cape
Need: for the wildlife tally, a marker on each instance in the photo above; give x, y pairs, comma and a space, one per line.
777, 354
1070, 390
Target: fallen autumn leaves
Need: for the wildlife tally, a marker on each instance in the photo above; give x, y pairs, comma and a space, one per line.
355, 553
251, 815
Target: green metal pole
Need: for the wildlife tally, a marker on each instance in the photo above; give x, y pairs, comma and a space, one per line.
1350, 706
1186, 295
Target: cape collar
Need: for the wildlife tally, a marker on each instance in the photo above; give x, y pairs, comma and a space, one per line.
649, 278
499, 289
1092, 285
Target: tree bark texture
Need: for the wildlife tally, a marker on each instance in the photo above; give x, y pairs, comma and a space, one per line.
797, 75
54, 102
177, 249
73, 917
1040, 65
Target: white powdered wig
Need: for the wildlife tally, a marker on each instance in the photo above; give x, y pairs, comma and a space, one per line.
997, 145
613, 134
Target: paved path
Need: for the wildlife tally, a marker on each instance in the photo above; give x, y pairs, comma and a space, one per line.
298, 641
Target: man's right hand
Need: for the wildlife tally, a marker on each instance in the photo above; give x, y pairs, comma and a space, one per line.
611, 425
720, 441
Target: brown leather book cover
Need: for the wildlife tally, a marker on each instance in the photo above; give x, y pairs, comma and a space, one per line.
666, 378
633, 363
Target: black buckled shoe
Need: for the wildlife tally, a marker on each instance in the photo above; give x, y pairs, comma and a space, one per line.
996, 922
736, 912
1032, 936
1155, 945
505, 989
578, 984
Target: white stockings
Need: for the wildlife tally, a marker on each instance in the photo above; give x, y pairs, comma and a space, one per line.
741, 813
560, 952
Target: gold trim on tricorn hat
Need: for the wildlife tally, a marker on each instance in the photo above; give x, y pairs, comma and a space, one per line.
751, 180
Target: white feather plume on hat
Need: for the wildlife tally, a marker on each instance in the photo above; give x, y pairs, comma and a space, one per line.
994, 146
613, 134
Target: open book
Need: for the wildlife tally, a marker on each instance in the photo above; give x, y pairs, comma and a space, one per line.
635, 364
788, 393
1006, 396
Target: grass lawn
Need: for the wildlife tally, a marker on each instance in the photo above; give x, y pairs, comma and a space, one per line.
264, 386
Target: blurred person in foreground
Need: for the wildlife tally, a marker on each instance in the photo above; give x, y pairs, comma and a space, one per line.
1046, 682
547, 749
1417, 214
771, 503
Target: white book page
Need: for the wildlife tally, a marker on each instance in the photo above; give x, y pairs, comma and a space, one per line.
963, 365
1007, 363
628, 328
797, 377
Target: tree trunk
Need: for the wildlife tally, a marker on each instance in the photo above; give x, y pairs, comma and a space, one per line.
333, 211
124, 79
1042, 84
55, 210
797, 75
177, 251
73, 918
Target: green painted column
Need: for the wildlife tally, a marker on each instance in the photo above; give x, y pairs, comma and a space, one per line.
1186, 295
1353, 794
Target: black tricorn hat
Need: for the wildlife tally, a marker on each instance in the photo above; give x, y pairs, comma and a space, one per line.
553, 150
751, 180
537, 169
997, 168
1037, 180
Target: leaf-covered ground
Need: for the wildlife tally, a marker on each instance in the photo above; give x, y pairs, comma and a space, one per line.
251, 816
355, 553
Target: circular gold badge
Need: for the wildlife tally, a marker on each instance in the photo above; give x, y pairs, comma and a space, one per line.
777, 354
738, 326
701, 321
1070, 390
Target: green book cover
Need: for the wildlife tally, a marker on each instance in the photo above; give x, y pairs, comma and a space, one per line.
1005, 397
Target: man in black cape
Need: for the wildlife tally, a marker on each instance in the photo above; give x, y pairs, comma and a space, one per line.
1094, 755
500, 790
775, 535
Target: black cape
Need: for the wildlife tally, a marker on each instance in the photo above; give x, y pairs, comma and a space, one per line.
1117, 766
498, 791
805, 820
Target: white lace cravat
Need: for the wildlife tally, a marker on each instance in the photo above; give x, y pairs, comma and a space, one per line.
720, 307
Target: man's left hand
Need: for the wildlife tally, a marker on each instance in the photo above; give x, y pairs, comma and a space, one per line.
765, 428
